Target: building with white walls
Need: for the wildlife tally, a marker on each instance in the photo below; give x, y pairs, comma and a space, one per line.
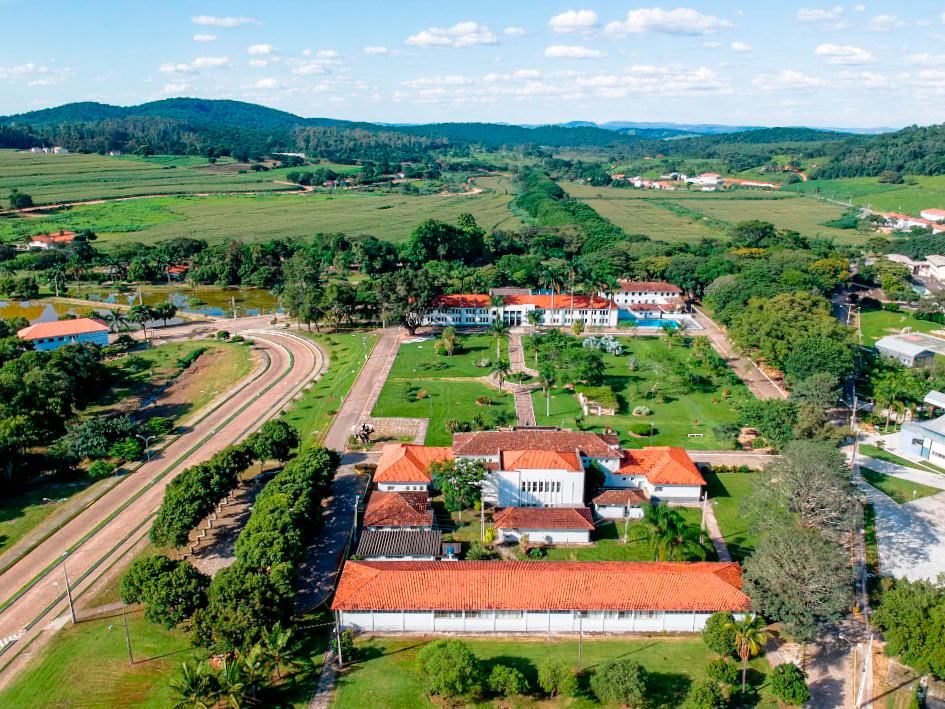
555, 310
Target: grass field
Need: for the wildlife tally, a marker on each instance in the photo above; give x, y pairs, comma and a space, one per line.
641, 216
389, 678
898, 489
314, 410
682, 414
386, 215
875, 324
868, 192
726, 491
871, 451
418, 359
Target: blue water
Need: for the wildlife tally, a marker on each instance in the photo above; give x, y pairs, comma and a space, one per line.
656, 323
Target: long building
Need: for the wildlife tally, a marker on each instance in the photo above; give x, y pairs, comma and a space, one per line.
536, 597
558, 310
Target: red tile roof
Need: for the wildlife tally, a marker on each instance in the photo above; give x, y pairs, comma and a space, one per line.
540, 586
61, 328
623, 497
543, 518
59, 237
405, 463
661, 465
541, 460
491, 443
649, 287
643, 306
398, 509
562, 301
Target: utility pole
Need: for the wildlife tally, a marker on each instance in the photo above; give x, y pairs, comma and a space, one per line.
580, 641
124, 614
65, 574
341, 660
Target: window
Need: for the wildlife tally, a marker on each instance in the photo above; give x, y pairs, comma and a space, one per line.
508, 614
649, 615
447, 614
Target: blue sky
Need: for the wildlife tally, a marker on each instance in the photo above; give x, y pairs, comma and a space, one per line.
772, 63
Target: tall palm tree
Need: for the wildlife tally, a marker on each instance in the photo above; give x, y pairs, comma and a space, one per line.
114, 318
194, 688
534, 318
501, 370
548, 378
685, 540
233, 688
141, 314
659, 520
750, 637
497, 303
499, 331
279, 648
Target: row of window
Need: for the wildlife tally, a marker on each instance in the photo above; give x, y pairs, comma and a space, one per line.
590, 615
541, 486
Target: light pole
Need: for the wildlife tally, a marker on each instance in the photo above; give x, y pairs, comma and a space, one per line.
65, 573
146, 439
854, 648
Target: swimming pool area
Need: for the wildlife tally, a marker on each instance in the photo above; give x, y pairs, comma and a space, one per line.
686, 321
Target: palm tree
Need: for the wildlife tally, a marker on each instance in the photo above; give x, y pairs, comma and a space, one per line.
141, 314
548, 378
56, 276
233, 688
659, 520
194, 689
535, 342
115, 318
501, 370
685, 542
534, 318
165, 311
750, 637
279, 648
499, 330
497, 302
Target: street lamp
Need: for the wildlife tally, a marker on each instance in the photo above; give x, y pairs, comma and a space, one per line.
853, 647
65, 573
146, 439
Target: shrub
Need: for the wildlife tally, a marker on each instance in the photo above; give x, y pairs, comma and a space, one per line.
602, 395
507, 681
705, 695
555, 678
477, 552
365, 468
891, 307
449, 667
758, 443
536, 553
189, 358
642, 411
640, 429
621, 681
422, 394
718, 635
789, 685
484, 401
101, 469
483, 363
722, 671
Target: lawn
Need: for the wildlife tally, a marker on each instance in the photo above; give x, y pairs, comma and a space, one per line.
875, 324
868, 192
726, 491
385, 214
315, 409
683, 413
898, 489
388, 677
871, 451
418, 360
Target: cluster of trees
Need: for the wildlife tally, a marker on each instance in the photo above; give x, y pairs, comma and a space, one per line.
911, 615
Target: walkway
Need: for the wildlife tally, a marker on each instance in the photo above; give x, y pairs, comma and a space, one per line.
524, 406
715, 534
756, 381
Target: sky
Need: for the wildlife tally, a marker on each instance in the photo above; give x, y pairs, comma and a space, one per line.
519, 61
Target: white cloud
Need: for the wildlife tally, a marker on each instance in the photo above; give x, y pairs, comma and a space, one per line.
462, 34
674, 80
222, 21
267, 84
808, 14
204, 37
210, 62
574, 21
844, 54
562, 51
523, 74
172, 68
884, 23
306, 68
327, 54
43, 82
682, 20
926, 59
257, 63
376, 50
22, 70
261, 49
859, 8
439, 81
515, 31
865, 79
787, 79
740, 47
711, 45
176, 88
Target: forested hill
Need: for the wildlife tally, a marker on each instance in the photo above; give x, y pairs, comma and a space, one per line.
500, 134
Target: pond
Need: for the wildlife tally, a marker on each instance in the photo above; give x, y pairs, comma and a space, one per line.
207, 300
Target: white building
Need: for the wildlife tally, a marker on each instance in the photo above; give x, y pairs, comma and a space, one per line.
58, 150
557, 310
660, 472
909, 354
935, 215
626, 503
406, 468
536, 597
652, 292
706, 179
936, 267
544, 525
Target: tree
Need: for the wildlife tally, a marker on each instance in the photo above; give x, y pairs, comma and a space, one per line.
621, 681
800, 578
459, 481
774, 419
577, 326
534, 318
819, 354
498, 331
501, 369
114, 319
172, 590
548, 377
750, 638
165, 311
195, 687
507, 681
302, 287
19, 200
911, 615
705, 695
820, 389
718, 633
141, 314
404, 295
274, 440
788, 683
279, 647
555, 677
449, 667
233, 689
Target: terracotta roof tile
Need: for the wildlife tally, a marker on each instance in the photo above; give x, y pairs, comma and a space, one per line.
61, 328
491, 443
648, 287
541, 460
562, 301
406, 463
540, 586
543, 518
398, 509
623, 496
662, 465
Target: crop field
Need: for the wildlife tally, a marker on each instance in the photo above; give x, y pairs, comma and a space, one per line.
926, 192
641, 216
386, 215
806, 216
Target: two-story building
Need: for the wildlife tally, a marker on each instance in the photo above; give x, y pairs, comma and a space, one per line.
554, 310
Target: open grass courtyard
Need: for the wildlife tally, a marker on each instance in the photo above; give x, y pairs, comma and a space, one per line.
726, 492
898, 489
388, 676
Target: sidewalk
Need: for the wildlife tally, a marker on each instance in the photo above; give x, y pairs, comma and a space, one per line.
715, 534
524, 407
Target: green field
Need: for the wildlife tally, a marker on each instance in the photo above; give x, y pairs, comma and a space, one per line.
868, 192
389, 678
875, 324
871, 451
683, 413
726, 491
898, 489
642, 216
806, 216
418, 359
386, 215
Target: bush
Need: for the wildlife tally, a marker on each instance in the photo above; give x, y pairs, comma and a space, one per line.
789, 685
189, 358
621, 681
705, 695
891, 307
602, 395
101, 469
507, 681
536, 553
449, 667
555, 678
723, 671
640, 429
758, 443
477, 552
718, 636
483, 363
642, 411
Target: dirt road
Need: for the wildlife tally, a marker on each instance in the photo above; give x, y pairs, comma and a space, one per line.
33, 589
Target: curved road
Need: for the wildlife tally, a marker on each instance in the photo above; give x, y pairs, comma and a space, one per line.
32, 591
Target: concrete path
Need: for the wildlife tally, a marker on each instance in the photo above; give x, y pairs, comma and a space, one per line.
757, 383
715, 534
524, 407
900, 471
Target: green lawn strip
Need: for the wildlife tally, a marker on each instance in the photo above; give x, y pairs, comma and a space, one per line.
875, 324
418, 360
682, 414
898, 489
389, 677
446, 399
871, 451
728, 490
313, 412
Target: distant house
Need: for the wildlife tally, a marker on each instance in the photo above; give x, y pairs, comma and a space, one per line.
936, 267
706, 179
935, 215
55, 240
53, 335
179, 272
404, 468
58, 150
544, 525
909, 354
114, 153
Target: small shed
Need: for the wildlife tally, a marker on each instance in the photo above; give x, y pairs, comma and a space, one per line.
401, 545
909, 353
620, 504
545, 525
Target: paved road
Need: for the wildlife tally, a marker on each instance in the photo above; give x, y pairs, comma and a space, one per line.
101, 534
